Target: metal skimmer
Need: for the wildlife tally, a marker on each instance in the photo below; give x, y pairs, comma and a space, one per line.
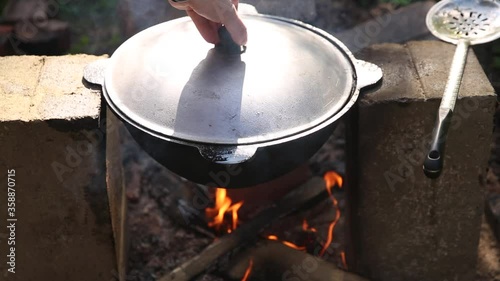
464, 23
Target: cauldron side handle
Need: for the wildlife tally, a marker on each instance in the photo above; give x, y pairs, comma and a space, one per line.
368, 73
94, 71
227, 154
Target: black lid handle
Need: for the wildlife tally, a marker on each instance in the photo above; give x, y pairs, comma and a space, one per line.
227, 44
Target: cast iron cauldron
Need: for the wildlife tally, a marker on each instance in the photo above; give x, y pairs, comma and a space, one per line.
232, 119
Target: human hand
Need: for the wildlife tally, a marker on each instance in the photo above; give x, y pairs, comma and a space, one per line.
209, 15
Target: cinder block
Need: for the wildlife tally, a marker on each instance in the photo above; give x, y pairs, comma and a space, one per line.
404, 225
50, 136
46, 88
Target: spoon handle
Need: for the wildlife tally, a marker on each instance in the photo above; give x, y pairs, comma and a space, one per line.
433, 163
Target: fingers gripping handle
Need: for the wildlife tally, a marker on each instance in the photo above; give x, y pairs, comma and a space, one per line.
433, 163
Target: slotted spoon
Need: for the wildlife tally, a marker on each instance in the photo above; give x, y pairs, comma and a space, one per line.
463, 23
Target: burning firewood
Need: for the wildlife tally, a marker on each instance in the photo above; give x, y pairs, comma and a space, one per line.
273, 260
222, 248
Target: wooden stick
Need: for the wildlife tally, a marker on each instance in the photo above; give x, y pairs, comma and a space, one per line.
271, 260
221, 249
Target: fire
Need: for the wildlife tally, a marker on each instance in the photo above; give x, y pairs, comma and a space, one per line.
248, 271
332, 179
223, 205
234, 214
224, 208
289, 244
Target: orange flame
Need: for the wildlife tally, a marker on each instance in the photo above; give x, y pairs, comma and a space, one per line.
332, 179
248, 271
234, 213
286, 243
223, 206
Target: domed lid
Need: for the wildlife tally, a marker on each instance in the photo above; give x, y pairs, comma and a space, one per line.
169, 82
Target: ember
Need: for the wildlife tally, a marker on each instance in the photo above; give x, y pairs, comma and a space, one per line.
305, 227
289, 244
248, 271
344, 263
332, 179
223, 205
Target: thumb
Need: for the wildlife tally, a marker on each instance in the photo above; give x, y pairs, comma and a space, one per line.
236, 27
235, 3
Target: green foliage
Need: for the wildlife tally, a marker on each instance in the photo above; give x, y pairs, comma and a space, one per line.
3, 3
94, 25
496, 55
81, 45
366, 3
77, 7
496, 62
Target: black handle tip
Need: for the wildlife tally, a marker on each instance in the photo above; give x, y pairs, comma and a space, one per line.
227, 45
433, 164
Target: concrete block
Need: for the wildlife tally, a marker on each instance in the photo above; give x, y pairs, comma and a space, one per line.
46, 88
50, 134
433, 68
404, 225
19, 76
67, 97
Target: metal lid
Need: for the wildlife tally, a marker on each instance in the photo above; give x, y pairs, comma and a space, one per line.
170, 83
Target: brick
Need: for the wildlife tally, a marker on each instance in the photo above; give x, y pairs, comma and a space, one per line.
406, 226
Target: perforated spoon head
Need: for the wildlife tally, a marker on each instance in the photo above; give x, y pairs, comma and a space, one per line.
475, 21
